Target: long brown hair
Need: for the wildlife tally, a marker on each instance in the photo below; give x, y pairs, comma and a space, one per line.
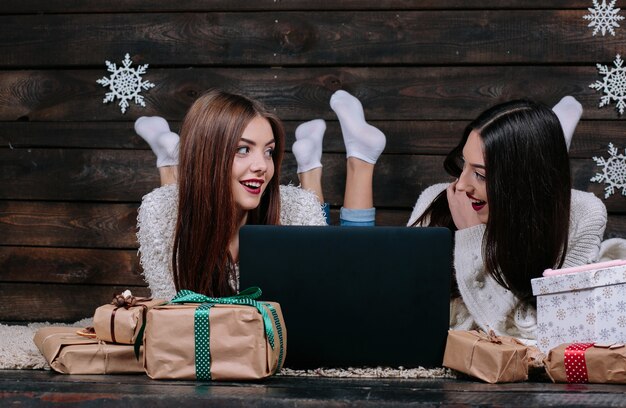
207, 216
528, 191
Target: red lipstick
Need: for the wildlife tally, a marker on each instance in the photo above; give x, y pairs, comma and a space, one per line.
477, 204
252, 186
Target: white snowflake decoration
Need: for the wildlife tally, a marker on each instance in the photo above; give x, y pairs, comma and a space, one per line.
613, 84
603, 17
613, 172
125, 83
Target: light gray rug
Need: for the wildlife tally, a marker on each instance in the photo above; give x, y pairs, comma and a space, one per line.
17, 349
18, 352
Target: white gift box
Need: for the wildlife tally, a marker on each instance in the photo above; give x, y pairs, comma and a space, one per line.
581, 307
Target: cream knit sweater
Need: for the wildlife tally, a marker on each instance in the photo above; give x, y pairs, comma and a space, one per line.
484, 303
156, 225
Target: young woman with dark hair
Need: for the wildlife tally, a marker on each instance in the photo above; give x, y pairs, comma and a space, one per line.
225, 173
514, 215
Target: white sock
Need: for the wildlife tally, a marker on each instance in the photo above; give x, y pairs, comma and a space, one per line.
362, 140
163, 142
308, 145
569, 111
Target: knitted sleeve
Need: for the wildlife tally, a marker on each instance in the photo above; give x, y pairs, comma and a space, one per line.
587, 224
460, 317
300, 207
424, 200
156, 223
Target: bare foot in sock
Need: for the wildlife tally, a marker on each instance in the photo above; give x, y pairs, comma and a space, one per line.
569, 111
308, 145
363, 141
162, 141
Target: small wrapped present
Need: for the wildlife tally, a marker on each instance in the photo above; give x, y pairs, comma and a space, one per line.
587, 363
203, 338
121, 321
486, 356
583, 307
69, 353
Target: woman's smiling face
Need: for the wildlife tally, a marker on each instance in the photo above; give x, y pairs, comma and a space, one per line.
472, 180
253, 165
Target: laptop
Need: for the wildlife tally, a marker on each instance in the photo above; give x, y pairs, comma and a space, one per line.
354, 296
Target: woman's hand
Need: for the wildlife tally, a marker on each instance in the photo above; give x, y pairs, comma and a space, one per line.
461, 209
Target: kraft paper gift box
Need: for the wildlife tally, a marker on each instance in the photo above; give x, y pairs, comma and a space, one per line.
69, 353
121, 324
494, 359
587, 306
587, 363
234, 338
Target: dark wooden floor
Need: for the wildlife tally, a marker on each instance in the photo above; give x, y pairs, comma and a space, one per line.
44, 388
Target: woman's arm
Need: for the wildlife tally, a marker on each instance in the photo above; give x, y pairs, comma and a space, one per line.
156, 223
424, 200
300, 207
587, 224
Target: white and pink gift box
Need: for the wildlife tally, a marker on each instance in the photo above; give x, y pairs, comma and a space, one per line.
586, 305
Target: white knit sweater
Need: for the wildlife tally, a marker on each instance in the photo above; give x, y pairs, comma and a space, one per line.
156, 223
487, 305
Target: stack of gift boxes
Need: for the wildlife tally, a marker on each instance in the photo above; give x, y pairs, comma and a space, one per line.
107, 347
190, 337
581, 322
581, 332
581, 336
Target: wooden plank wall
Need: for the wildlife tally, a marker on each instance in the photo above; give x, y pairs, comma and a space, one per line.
73, 172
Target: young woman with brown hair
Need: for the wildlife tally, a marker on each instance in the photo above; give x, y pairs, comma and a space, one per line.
225, 173
230, 156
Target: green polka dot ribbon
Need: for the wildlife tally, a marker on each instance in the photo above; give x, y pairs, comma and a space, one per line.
279, 331
201, 336
201, 323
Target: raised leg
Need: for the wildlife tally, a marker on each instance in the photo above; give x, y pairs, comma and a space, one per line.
569, 111
308, 152
364, 144
163, 142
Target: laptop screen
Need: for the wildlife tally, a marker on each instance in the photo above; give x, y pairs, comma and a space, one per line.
354, 296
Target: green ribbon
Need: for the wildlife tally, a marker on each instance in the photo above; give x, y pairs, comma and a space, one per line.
201, 322
201, 337
279, 331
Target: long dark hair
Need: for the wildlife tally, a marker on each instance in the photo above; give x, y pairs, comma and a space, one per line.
528, 192
207, 217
